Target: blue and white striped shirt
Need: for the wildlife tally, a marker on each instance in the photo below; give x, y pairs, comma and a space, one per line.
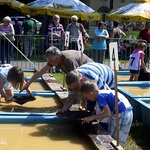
102, 74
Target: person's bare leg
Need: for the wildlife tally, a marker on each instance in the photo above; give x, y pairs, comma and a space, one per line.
131, 77
136, 77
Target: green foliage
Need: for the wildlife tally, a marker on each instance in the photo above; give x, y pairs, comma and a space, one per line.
88, 50
138, 138
134, 32
60, 78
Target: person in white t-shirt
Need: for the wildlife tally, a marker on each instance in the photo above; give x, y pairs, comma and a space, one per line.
11, 77
136, 60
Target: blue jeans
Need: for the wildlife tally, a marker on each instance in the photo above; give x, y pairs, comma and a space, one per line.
6, 51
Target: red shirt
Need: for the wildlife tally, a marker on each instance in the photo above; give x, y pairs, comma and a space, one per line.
145, 35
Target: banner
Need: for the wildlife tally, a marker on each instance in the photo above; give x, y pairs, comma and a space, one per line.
60, 6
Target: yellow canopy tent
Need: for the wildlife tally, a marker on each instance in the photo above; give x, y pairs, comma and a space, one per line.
17, 5
64, 9
3, 2
51, 7
139, 11
13, 4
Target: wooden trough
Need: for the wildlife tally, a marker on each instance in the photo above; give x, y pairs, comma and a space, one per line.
98, 136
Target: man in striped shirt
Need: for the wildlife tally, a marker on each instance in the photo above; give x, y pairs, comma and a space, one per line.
56, 33
100, 73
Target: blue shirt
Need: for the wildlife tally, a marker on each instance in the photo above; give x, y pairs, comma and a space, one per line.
107, 97
100, 45
17, 28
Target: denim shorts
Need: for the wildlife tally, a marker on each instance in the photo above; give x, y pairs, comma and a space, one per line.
135, 71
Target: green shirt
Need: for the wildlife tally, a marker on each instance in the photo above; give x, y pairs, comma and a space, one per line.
29, 27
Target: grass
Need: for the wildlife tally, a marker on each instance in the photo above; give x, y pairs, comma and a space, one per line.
59, 77
139, 136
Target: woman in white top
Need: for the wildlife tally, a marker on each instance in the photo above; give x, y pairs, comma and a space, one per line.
11, 77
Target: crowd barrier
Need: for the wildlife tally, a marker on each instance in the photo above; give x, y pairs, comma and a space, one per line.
41, 42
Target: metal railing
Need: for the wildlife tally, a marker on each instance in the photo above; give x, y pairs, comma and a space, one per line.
41, 42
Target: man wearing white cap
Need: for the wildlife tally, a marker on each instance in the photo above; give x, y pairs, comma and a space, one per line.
75, 28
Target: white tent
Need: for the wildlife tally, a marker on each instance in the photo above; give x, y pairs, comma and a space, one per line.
64, 8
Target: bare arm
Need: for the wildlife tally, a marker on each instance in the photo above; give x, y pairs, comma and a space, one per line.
38, 74
122, 34
68, 103
85, 34
143, 64
114, 32
105, 114
28, 90
12, 31
3, 94
1, 87
101, 36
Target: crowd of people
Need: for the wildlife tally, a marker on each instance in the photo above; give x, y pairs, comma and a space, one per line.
9, 33
88, 80
56, 36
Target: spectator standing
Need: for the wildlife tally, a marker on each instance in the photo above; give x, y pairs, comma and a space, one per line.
17, 28
29, 28
116, 35
99, 44
7, 29
136, 61
56, 34
75, 28
145, 35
